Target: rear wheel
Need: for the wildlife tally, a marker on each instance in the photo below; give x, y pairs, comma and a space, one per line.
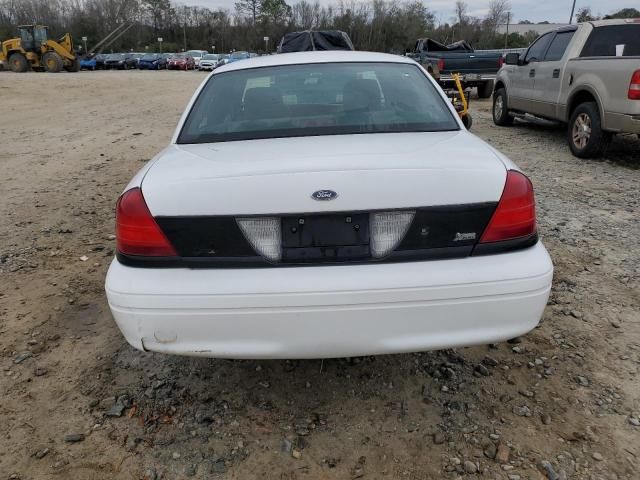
18, 62
485, 90
585, 135
501, 115
52, 62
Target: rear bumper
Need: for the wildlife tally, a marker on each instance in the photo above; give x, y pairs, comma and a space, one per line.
332, 311
469, 78
623, 123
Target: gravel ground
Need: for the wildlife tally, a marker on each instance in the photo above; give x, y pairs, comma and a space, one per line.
78, 402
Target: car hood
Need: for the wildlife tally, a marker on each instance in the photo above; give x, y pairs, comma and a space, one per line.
368, 172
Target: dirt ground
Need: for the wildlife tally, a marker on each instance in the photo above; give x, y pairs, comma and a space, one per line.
76, 402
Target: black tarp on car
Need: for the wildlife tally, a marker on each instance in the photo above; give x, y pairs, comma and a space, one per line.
310, 40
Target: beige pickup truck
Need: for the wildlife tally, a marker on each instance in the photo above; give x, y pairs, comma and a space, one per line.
585, 75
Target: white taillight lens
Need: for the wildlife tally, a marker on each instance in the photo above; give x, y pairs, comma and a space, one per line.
264, 235
387, 230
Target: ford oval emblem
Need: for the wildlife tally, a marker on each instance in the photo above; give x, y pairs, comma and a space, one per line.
322, 195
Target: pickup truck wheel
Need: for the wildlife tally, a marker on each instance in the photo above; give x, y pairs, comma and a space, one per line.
501, 116
585, 135
485, 90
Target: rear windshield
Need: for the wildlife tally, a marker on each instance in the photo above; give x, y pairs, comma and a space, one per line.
316, 99
613, 41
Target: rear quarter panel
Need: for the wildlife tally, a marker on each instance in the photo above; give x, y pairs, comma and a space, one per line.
607, 79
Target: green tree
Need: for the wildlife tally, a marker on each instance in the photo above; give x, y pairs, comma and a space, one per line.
276, 12
624, 13
250, 8
584, 15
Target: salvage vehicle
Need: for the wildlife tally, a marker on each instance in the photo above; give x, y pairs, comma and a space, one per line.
197, 55
87, 63
181, 61
476, 68
132, 59
279, 223
236, 56
208, 62
152, 61
586, 76
115, 61
100, 59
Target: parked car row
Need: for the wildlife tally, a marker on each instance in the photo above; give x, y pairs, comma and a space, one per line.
191, 60
142, 61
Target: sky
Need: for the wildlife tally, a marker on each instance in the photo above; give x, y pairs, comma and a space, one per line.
554, 11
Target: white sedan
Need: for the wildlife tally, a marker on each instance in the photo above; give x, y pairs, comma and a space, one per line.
325, 204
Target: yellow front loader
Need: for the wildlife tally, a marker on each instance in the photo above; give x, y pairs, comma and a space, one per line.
34, 50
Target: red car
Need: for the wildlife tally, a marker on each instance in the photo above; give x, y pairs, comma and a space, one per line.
181, 61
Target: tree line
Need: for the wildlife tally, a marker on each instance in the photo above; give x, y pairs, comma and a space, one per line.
376, 25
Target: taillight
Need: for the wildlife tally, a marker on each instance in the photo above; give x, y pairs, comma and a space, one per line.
634, 86
500, 61
441, 64
515, 215
137, 233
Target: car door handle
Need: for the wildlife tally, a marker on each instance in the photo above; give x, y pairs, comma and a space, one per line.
556, 73
532, 73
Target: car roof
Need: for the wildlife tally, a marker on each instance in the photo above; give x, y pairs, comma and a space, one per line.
616, 21
329, 56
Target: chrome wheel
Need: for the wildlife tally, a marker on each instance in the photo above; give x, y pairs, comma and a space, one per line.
581, 133
498, 106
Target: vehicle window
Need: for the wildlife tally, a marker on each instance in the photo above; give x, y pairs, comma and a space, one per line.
536, 51
316, 99
558, 46
612, 41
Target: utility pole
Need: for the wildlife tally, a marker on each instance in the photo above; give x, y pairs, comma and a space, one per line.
184, 30
573, 7
506, 37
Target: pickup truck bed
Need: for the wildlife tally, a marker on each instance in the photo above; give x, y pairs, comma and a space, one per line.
478, 69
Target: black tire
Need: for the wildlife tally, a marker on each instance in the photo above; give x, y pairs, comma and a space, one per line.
74, 67
485, 90
18, 62
467, 120
584, 133
500, 112
52, 62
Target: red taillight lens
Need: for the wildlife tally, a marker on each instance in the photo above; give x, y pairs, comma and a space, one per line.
515, 215
137, 233
634, 86
441, 64
500, 61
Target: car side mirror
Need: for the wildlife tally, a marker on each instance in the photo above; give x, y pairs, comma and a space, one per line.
512, 59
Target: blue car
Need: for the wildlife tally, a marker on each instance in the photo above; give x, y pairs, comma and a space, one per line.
235, 56
152, 61
88, 63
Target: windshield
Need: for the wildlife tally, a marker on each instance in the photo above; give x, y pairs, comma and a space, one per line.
316, 99
194, 53
210, 57
178, 55
151, 56
115, 56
